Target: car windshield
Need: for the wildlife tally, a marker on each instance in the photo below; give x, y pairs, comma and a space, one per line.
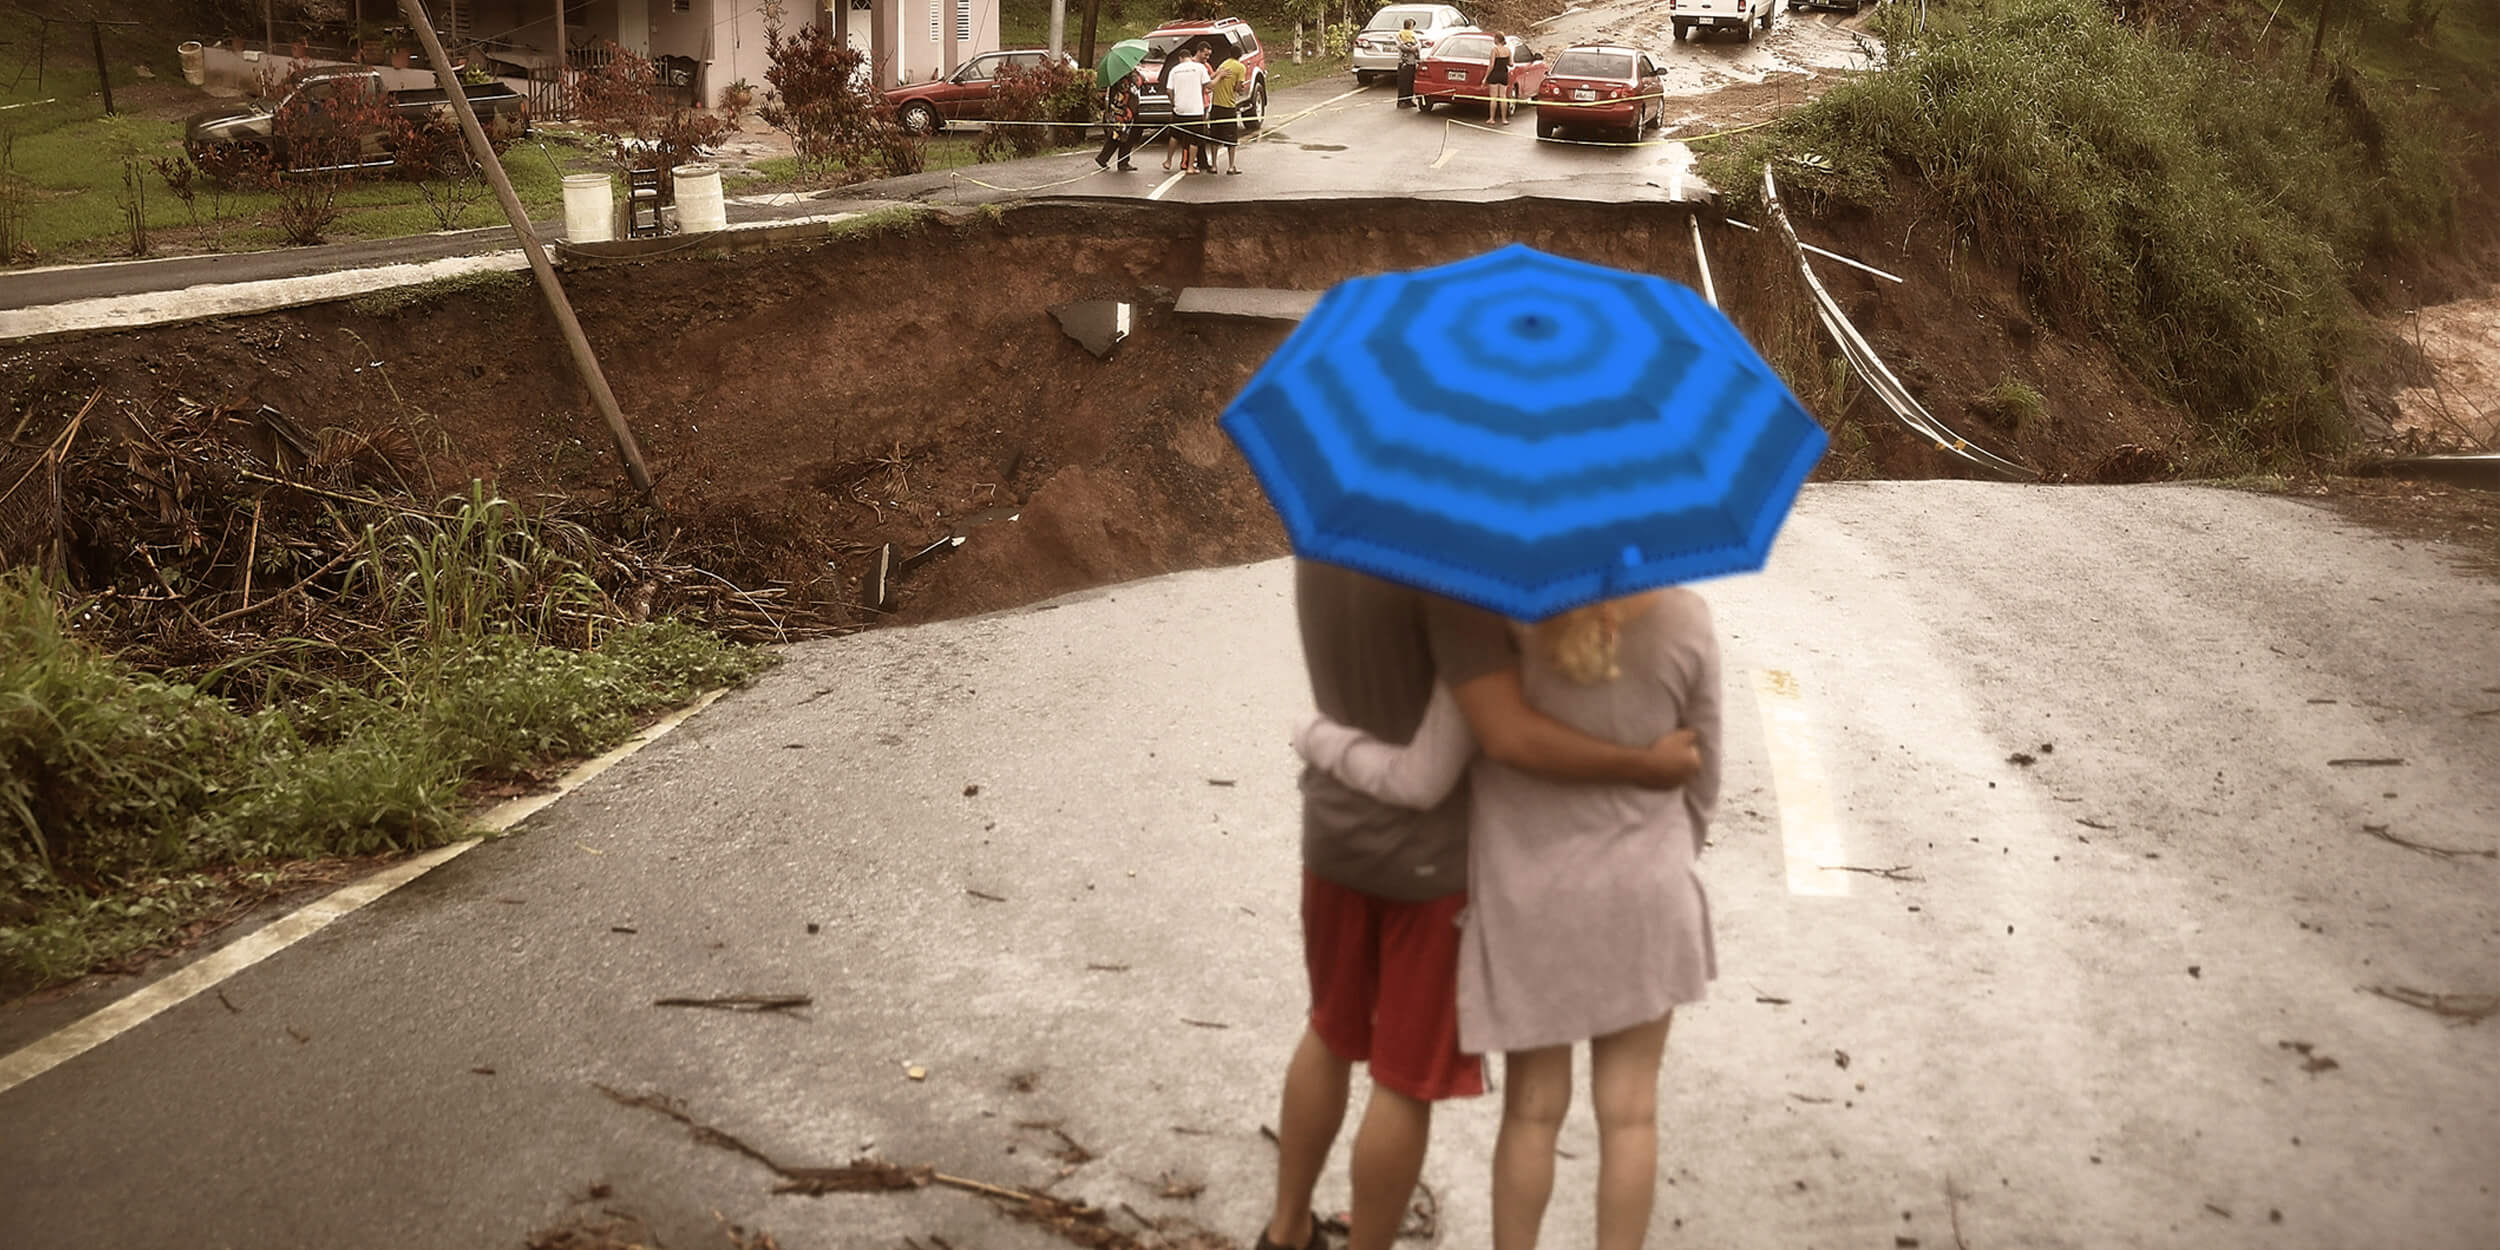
1580, 64
1159, 47
1466, 48
1395, 16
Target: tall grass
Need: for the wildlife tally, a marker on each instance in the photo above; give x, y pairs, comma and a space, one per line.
118, 787
2202, 214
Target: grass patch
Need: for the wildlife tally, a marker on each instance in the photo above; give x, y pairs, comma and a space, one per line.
2201, 212
131, 803
2011, 404
70, 158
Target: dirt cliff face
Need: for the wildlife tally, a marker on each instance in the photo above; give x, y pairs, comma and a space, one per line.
802, 405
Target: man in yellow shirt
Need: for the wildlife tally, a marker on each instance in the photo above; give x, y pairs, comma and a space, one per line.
1231, 82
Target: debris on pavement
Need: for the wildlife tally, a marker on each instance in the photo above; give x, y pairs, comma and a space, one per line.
2023, 759
1840, 1058
1204, 1024
915, 1072
1075, 1222
986, 896
2443, 852
742, 1002
2310, 1061
2364, 763
1106, 967
2464, 1008
1898, 872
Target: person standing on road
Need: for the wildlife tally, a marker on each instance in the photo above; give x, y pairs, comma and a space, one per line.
1119, 118
1232, 80
1586, 921
1186, 80
1382, 886
1497, 82
1410, 59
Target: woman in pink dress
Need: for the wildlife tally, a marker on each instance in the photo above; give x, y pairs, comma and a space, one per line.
1586, 921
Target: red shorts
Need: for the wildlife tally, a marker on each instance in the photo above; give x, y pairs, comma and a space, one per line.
1384, 987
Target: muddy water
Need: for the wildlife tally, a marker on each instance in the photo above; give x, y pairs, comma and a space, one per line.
1802, 44
2461, 344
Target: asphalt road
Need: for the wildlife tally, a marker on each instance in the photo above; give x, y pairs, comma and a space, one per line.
2084, 1016
1337, 143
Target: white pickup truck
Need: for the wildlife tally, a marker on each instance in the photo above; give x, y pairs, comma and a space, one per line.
1743, 16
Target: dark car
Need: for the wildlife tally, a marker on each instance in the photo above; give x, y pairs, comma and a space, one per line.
1230, 37
965, 95
252, 126
1600, 87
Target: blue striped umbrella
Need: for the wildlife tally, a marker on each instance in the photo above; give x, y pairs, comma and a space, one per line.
1525, 433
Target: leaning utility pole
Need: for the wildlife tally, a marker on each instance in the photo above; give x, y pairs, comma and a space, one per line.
583, 359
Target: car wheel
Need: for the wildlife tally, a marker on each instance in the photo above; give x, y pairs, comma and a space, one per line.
1424, 103
1683, 31
1257, 116
1365, 77
1545, 129
1744, 32
919, 118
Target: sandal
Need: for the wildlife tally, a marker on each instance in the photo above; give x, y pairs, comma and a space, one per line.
1319, 1240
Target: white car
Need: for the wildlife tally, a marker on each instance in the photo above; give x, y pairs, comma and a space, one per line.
1376, 45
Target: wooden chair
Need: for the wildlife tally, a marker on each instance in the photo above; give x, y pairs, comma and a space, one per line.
645, 191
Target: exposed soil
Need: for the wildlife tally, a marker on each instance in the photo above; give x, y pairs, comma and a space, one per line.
802, 405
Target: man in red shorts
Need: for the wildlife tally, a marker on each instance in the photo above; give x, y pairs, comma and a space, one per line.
1382, 886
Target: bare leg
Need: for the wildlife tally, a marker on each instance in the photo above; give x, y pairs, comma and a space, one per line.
1623, 1082
1388, 1160
1536, 1091
1306, 1127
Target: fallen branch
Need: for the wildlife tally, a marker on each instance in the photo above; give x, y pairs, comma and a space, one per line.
741, 1002
2444, 852
2470, 1008
1898, 872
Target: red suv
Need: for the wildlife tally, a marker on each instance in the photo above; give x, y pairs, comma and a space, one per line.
1231, 37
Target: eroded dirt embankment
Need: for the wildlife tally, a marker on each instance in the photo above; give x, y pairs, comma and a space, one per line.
803, 404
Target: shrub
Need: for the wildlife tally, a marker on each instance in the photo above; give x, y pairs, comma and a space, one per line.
430, 151
1048, 92
838, 123
628, 103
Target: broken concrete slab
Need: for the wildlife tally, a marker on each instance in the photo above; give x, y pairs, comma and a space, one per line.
1251, 303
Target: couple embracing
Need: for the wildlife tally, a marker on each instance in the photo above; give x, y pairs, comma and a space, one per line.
1499, 829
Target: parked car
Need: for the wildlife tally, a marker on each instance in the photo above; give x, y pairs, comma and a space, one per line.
252, 125
1593, 86
1230, 36
965, 95
1455, 71
1741, 16
1376, 45
1848, 5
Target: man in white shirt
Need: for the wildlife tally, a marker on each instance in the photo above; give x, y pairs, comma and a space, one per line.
1186, 80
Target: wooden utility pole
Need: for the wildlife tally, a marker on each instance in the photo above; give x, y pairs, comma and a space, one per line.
103, 73
563, 106
583, 359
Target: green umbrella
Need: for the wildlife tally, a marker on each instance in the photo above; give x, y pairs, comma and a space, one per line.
1123, 57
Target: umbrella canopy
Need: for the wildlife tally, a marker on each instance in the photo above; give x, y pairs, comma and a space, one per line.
1116, 64
1525, 433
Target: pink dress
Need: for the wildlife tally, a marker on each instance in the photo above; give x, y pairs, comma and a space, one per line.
1585, 915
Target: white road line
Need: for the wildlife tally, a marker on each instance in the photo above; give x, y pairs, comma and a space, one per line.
123, 1015
1810, 830
1166, 184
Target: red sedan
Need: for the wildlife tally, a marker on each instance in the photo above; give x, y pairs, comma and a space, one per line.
1595, 86
1455, 71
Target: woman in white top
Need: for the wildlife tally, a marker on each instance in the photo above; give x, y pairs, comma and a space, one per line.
1585, 918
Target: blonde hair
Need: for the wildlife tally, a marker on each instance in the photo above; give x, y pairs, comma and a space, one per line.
1581, 642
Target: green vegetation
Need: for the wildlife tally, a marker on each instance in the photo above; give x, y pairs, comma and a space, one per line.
2012, 403
132, 802
2198, 206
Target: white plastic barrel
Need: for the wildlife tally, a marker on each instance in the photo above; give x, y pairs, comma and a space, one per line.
699, 206
589, 208
194, 63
